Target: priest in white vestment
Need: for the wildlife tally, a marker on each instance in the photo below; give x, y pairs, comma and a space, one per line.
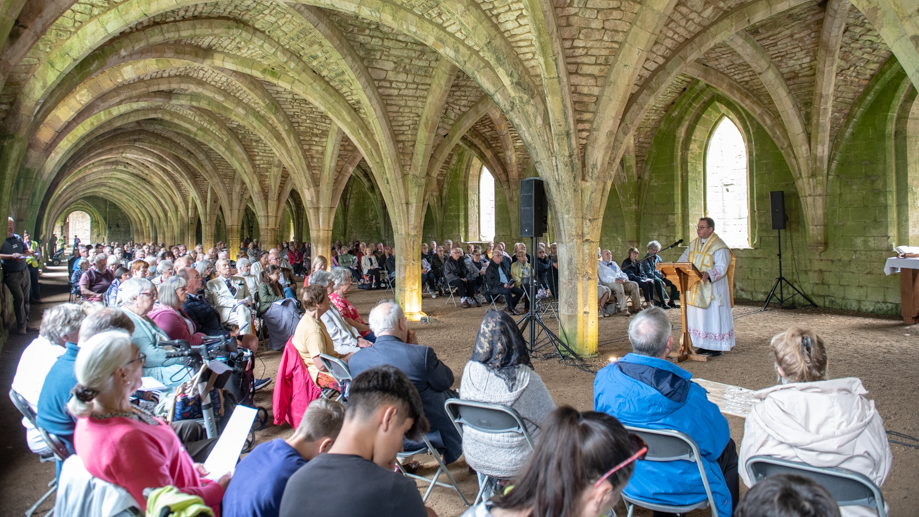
709, 302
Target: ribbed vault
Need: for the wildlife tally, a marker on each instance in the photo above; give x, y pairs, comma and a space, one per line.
180, 111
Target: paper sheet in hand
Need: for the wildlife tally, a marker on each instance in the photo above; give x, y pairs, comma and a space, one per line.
222, 458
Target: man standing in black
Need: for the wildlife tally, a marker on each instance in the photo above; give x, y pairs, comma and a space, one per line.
13, 255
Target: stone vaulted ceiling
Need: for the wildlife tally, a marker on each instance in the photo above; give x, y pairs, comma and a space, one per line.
180, 110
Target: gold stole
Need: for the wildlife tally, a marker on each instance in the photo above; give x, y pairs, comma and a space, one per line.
701, 255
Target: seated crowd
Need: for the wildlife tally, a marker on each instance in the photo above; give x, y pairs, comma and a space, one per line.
82, 376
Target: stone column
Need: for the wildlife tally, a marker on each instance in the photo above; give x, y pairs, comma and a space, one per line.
268, 237
233, 240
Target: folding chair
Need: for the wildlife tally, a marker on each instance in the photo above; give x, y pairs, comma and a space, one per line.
339, 371
387, 279
486, 418
671, 445
847, 487
56, 449
431, 481
492, 300
450, 289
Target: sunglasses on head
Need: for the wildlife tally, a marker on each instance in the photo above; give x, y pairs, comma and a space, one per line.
639, 451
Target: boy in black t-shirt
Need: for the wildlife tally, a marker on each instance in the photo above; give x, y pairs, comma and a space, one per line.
356, 477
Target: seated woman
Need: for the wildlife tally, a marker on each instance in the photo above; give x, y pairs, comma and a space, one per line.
341, 279
320, 264
82, 267
311, 338
280, 319
121, 443
347, 339
370, 268
140, 269
811, 419
580, 465
168, 314
500, 372
137, 298
522, 271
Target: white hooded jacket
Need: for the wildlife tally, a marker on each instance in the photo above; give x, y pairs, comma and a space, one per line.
823, 424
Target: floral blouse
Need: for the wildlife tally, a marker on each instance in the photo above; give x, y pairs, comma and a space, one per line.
347, 310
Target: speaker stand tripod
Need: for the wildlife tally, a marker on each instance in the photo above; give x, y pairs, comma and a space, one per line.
533, 319
780, 284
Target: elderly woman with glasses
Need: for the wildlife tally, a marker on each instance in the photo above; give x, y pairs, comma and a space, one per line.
138, 298
121, 443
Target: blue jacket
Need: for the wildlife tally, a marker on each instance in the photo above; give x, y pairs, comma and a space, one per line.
52, 413
649, 392
432, 378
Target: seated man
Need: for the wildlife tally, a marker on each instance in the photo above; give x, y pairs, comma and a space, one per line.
205, 318
260, 478
498, 281
396, 345
59, 325
96, 281
356, 478
644, 389
649, 268
230, 297
609, 274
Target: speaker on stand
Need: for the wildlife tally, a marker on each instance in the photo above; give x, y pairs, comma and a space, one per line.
777, 209
534, 212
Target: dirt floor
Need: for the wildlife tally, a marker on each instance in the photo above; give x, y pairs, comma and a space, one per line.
876, 349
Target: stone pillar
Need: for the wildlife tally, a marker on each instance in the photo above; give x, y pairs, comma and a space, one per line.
268, 237
320, 242
207, 236
408, 270
233, 240
577, 278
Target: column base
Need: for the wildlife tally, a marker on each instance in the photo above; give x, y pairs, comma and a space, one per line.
415, 316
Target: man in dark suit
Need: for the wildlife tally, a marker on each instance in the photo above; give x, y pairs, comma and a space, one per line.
498, 281
396, 345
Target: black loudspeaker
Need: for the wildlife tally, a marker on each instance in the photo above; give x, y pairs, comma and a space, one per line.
777, 201
534, 208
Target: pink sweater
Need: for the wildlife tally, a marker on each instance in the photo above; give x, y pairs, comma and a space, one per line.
135, 456
173, 324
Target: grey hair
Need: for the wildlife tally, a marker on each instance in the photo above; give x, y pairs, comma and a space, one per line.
112, 260
654, 244
385, 317
242, 262
323, 278
96, 363
201, 266
167, 291
165, 265
648, 332
131, 289
60, 320
81, 262
221, 262
100, 257
341, 275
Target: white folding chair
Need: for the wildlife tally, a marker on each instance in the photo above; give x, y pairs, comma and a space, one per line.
670, 445
339, 371
486, 418
847, 487
441, 469
450, 289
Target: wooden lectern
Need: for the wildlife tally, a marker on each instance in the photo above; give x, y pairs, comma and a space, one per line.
684, 275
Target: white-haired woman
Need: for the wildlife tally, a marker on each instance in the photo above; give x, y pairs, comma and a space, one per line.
121, 443
346, 338
342, 284
168, 314
138, 296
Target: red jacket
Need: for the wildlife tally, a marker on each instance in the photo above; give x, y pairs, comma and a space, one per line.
294, 389
294, 257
